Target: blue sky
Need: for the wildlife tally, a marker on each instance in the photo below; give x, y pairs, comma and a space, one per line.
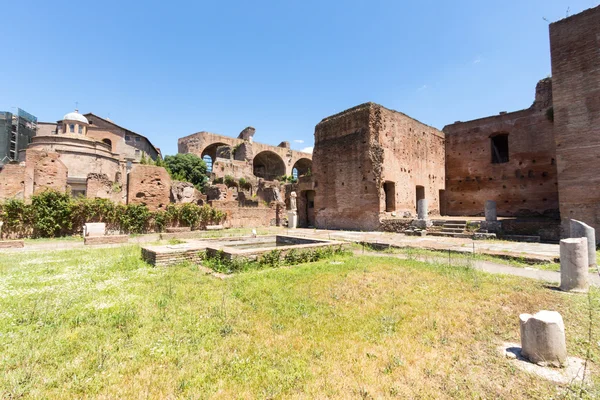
169, 69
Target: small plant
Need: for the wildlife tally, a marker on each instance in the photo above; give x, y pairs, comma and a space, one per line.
230, 181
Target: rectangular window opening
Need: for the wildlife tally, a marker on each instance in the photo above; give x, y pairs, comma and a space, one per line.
499, 149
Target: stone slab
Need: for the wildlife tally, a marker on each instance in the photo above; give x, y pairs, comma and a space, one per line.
11, 244
111, 239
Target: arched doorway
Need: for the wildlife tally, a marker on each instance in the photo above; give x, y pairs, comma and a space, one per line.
268, 165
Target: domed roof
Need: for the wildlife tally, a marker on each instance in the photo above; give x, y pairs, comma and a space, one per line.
75, 116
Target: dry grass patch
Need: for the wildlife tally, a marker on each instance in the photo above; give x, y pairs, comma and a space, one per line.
100, 323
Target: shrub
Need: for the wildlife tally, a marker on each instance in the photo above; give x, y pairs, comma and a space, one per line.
230, 181
52, 214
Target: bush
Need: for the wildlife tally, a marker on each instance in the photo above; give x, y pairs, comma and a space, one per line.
52, 214
187, 168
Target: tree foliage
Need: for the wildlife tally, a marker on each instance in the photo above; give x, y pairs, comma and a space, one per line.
188, 168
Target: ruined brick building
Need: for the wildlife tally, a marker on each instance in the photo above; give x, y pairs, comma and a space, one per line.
242, 157
540, 162
370, 163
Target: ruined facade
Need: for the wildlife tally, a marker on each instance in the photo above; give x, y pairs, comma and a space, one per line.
509, 158
241, 157
575, 50
370, 161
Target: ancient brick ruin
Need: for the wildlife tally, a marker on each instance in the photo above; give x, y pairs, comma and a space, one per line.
370, 161
371, 165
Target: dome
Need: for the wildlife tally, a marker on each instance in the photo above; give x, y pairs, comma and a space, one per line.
75, 116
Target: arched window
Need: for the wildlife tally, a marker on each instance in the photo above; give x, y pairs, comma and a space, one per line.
295, 173
108, 142
208, 160
72, 128
80, 129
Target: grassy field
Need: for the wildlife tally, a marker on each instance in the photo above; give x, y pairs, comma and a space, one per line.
100, 323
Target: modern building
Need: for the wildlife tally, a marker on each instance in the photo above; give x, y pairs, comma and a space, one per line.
16, 132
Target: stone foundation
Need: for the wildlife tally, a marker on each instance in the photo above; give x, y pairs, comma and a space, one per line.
111, 239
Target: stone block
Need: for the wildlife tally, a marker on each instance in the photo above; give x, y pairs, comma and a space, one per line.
94, 229
421, 223
483, 236
543, 338
491, 226
214, 227
581, 230
178, 229
574, 265
490, 211
292, 219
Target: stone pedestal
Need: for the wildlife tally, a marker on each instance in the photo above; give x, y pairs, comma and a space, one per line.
581, 230
543, 338
421, 223
490, 211
292, 219
574, 265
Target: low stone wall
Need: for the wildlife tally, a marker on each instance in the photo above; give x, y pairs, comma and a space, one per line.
395, 224
11, 244
250, 217
164, 256
548, 230
111, 239
179, 229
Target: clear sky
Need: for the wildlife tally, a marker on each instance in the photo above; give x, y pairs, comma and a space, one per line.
169, 69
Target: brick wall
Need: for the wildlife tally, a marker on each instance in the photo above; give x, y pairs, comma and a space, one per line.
575, 50
100, 186
12, 181
250, 217
358, 151
44, 170
523, 186
149, 185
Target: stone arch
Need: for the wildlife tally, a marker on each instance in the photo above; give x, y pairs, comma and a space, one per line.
209, 154
302, 167
268, 165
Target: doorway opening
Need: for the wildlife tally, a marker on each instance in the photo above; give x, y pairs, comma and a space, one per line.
420, 196
389, 189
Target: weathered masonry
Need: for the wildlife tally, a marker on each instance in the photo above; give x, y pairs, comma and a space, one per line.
241, 157
369, 162
575, 50
509, 158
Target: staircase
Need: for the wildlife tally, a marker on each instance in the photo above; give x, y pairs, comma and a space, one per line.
454, 228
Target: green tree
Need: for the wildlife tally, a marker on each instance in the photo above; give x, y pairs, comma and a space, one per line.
188, 168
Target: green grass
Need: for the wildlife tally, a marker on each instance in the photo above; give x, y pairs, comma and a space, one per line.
100, 323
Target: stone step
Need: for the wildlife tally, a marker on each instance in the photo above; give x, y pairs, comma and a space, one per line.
454, 221
461, 226
456, 235
452, 230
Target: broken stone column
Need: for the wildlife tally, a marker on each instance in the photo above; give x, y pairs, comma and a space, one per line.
574, 265
581, 230
490, 211
422, 209
543, 338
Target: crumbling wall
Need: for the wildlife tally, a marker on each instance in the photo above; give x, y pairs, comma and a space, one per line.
574, 44
12, 182
523, 186
43, 171
185, 192
250, 217
102, 187
149, 185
